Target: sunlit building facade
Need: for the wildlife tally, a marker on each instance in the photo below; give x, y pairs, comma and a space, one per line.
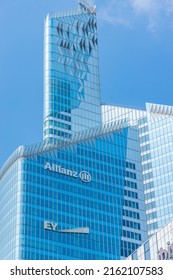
156, 141
158, 247
102, 175
71, 73
79, 194
77, 200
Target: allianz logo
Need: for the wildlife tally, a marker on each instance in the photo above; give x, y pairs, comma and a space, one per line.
83, 175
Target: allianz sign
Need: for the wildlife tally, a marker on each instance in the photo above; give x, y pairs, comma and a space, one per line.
83, 175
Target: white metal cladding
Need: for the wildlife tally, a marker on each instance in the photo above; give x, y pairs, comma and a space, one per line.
159, 109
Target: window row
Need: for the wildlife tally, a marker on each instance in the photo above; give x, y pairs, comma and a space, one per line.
107, 158
130, 184
143, 129
144, 138
132, 235
147, 166
131, 214
127, 248
57, 133
146, 157
149, 195
57, 124
145, 148
131, 194
150, 205
131, 224
148, 176
131, 204
61, 117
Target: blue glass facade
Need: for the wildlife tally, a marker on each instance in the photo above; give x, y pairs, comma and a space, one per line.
71, 74
157, 160
110, 205
156, 141
79, 194
10, 215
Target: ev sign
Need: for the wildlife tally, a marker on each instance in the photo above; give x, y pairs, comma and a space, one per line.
83, 175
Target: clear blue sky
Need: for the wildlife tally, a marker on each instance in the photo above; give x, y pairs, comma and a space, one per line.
136, 60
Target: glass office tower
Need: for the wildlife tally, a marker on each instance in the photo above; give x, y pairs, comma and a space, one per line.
103, 175
77, 200
156, 141
79, 194
71, 73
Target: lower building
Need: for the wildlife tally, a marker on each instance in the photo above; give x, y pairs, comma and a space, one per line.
156, 142
158, 247
79, 199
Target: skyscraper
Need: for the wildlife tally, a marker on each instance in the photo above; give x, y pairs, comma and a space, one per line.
156, 141
79, 193
71, 83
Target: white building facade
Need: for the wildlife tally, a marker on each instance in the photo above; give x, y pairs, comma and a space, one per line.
158, 247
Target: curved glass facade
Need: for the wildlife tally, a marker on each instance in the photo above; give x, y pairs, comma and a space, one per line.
79, 194
71, 74
84, 201
156, 141
10, 211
